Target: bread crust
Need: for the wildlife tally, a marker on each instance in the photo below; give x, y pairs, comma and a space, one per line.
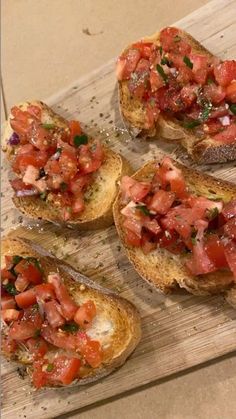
123, 314
103, 189
163, 270
133, 113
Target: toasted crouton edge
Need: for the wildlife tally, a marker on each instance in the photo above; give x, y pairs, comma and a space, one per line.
133, 113
128, 326
160, 268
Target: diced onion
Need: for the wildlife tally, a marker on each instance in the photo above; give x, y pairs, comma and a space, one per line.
225, 120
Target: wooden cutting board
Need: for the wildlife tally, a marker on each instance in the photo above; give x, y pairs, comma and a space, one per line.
179, 331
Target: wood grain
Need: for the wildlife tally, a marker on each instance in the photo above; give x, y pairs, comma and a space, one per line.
179, 331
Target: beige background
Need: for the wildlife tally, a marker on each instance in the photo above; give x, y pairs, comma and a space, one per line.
44, 48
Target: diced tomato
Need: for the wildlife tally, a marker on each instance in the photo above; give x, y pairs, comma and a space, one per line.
26, 299
78, 183
75, 129
212, 126
93, 353
7, 302
215, 251
5, 274
65, 370
8, 345
145, 48
161, 201
189, 93
127, 64
10, 314
28, 326
19, 185
168, 238
147, 243
29, 270
227, 136
134, 224
35, 111
52, 312
180, 219
39, 136
231, 92
132, 239
230, 254
9, 261
219, 111
139, 190
85, 314
39, 377
229, 209
21, 283
69, 307
37, 347
52, 167
151, 225
156, 80
171, 174
152, 114
203, 207
171, 40
225, 72
68, 164
230, 228
214, 93
200, 67
45, 292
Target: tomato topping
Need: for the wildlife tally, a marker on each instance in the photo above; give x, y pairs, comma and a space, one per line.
68, 306
63, 370
5, 274
52, 311
231, 92
75, 129
225, 72
26, 299
229, 210
227, 136
10, 315
161, 201
21, 283
214, 249
29, 270
7, 302
214, 93
230, 228
85, 314
230, 254
28, 326
37, 347
132, 239
45, 292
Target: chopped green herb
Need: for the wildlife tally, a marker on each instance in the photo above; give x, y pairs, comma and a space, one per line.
59, 150
162, 73
233, 108
16, 259
188, 62
63, 186
191, 124
161, 50
48, 126
164, 61
49, 367
10, 288
193, 240
37, 333
80, 139
212, 213
144, 209
206, 111
210, 80
177, 38
70, 327
43, 196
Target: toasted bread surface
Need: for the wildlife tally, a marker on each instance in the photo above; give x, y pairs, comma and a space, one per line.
161, 268
116, 325
99, 197
133, 112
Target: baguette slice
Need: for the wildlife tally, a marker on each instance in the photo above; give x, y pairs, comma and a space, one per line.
160, 268
99, 196
117, 323
132, 110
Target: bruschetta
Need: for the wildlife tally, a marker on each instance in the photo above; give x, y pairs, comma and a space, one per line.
170, 86
60, 174
62, 326
178, 227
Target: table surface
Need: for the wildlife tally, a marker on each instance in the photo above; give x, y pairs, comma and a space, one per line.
54, 43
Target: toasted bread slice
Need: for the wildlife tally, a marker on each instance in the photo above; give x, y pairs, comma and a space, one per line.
133, 112
161, 268
103, 189
116, 325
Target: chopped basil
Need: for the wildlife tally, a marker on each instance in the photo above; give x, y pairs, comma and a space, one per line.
233, 108
164, 61
16, 259
144, 209
63, 186
212, 213
37, 333
161, 50
48, 126
49, 367
162, 73
43, 196
206, 111
177, 38
71, 327
210, 81
10, 288
80, 139
188, 62
191, 124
